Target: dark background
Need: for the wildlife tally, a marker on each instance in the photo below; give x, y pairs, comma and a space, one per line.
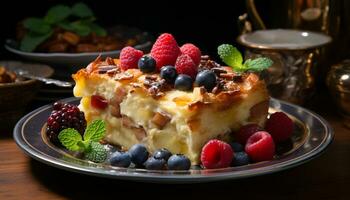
205, 24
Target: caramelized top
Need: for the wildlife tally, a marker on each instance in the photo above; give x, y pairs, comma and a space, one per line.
228, 82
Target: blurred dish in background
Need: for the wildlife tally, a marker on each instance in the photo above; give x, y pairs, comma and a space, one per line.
338, 81
295, 55
70, 62
327, 16
16, 95
68, 37
66, 29
7, 76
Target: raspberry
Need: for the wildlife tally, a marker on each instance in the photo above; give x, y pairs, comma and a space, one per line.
192, 51
185, 65
64, 116
98, 102
260, 146
129, 58
246, 131
216, 154
165, 50
280, 126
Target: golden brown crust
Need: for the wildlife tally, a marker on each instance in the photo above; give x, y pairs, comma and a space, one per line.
233, 87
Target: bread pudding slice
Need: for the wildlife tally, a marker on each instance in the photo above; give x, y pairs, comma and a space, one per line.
143, 108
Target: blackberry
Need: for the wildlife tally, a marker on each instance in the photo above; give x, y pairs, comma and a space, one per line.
64, 116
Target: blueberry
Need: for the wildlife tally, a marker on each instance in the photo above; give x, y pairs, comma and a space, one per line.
168, 73
154, 164
240, 158
236, 147
138, 154
120, 159
207, 79
183, 82
147, 64
179, 162
162, 154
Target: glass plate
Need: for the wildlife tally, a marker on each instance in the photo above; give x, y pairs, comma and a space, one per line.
312, 135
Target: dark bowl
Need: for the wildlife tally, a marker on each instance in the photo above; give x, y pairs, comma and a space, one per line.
15, 97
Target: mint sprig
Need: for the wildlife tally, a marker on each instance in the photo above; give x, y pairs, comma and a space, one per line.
233, 58
258, 64
96, 152
78, 19
89, 143
230, 55
70, 138
95, 131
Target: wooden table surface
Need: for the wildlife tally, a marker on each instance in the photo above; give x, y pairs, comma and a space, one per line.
326, 177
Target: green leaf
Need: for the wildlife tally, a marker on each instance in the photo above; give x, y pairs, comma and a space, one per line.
84, 145
36, 25
57, 13
79, 28
70, 138
32, 40
66, 25
96, 153
82, 10
98, 29
230, 55
258, 64
95, 131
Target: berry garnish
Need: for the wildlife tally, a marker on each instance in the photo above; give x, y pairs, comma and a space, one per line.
216, 154
207, 79
154, 163
64, 116
138, 154
57, 105
179, 162
246, 131
260, 146
240, 159
147, 64
120, 159
192, 51
236, 147
90, 146
165, 50
183, 82
280, 126
185, 65
162, 154
98, 102
168, 73
129, 58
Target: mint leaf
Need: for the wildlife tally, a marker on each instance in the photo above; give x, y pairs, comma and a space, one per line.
95, 131
70, 138
79, 28
82, 10
230, 56
258, 64
98, 29
31, 40
96, 153
57, 14
65, 25
36, 25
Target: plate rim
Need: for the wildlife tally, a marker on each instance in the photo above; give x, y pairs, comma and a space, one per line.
70, 55
168, 178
